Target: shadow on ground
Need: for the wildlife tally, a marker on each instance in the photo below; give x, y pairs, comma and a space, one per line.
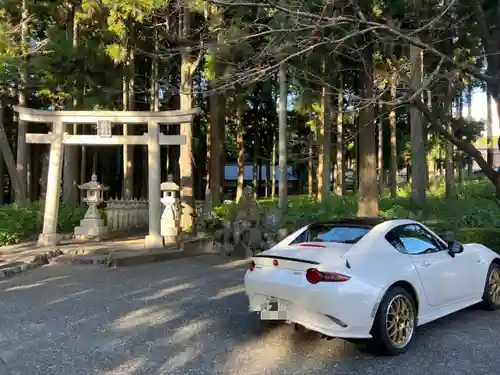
190, 316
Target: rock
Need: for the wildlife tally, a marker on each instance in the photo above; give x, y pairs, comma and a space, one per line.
240, 250
219, 235
281, 234
247, 208
217, 248
273, 218
255, 238
228, 232
226, 248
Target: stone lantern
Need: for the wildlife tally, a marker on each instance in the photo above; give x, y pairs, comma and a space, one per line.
92, 224
171, 217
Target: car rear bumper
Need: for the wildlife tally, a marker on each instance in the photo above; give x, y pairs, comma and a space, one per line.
343, 310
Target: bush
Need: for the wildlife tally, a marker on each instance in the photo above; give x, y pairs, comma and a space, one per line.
475, 206
486, 237
18, 223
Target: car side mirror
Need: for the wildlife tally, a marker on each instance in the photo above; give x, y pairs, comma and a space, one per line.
454, 248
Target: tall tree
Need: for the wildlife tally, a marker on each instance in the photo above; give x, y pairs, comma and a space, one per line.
339, 167
70, 170
418, 169
189, 64
282, 138
22, 147
368, 190
393, 176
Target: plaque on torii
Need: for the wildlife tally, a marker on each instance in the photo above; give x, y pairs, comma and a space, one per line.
104, 129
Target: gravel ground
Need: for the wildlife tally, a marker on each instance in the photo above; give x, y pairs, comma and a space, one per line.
190, 317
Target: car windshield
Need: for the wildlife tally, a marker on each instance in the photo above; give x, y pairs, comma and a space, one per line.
337, 233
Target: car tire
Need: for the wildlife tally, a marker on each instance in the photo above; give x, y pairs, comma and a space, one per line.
491, 294
395, 338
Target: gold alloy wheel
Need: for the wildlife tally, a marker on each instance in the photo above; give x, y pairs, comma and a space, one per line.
400, 321
494, 286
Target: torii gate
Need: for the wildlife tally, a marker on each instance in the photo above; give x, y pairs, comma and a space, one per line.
153, 139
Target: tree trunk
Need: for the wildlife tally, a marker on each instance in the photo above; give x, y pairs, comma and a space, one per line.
215, 133
240, 143
469, 117
282, 147
214, 16
489, 127
339, 168
440, 157
310, 167
368, 191
129, 105
273, 168
2, 180
380, 154
8, 157
70, 191
326, 138
460, 165
45, 171
430, 160
418, 169
188, 67
320, 158
154, 106
449, 170
394, 151
255, 162
268, 178
22, 129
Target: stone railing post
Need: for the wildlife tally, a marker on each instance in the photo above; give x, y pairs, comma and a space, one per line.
111, 209
145, 212
121, 214
128, 214
140, 210
133, 209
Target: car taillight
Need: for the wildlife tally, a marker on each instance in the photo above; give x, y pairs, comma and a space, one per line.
311, 245
252, 266
314, 276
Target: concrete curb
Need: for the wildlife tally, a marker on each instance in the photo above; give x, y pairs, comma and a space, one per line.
123, 258
84, 255
14, 268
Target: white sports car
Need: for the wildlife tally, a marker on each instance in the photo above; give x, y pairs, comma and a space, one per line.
370, 278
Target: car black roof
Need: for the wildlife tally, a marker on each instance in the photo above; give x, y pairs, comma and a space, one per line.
355, 221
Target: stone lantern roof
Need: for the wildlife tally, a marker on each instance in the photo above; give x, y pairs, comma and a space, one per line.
170, 185
93, 184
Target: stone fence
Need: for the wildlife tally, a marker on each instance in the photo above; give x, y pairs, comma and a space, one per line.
127, 214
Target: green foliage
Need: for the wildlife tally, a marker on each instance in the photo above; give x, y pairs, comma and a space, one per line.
474, 207
489, 237
18, 223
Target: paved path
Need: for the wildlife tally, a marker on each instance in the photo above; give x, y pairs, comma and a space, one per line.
190, 317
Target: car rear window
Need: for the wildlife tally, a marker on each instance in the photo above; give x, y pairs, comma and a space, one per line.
334, 233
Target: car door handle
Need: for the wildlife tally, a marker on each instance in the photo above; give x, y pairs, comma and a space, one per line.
425, 263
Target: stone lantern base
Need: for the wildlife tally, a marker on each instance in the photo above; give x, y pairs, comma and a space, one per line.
91, 228
92, 225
